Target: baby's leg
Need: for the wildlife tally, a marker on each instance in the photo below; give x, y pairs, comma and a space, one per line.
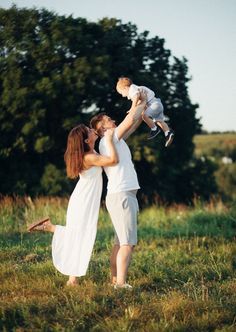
156, 110
148, 121
155, 130
163, 125
169, 134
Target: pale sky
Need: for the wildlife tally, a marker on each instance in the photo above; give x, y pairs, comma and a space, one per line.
204, 31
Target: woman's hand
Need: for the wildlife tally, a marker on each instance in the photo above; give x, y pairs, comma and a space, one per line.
95, 159
108, 134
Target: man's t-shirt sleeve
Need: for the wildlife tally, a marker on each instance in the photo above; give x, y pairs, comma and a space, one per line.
115, 136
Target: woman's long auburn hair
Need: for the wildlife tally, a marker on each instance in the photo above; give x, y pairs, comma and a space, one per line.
76, 148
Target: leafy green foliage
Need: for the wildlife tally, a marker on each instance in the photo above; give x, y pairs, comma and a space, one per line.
226, 180
220, 150
57, 71
53, 181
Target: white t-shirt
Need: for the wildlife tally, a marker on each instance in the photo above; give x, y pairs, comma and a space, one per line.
121, 177
134, 89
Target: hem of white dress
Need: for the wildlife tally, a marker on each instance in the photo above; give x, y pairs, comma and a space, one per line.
68, 273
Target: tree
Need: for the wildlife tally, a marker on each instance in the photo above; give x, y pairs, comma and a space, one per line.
56, 71
226, 181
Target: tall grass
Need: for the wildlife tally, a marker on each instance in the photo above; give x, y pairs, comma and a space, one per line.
183, 272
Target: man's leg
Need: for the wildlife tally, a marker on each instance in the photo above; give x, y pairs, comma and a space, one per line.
122, 263
113, 267
123, 208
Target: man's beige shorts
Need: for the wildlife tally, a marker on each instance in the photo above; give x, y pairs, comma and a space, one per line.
123, 209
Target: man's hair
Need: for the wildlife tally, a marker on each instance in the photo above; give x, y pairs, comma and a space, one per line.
95, 119
123, 82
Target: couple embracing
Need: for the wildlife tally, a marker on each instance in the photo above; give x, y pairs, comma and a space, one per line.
72, 244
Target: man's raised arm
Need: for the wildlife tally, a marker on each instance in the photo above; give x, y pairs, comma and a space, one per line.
132, 120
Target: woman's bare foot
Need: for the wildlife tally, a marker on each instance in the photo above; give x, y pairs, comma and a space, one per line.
44, 225
49, 227
72, 282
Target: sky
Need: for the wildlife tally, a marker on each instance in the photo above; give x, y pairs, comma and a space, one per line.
203, 31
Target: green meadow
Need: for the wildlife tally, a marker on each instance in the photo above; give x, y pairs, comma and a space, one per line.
215, 145
183, 272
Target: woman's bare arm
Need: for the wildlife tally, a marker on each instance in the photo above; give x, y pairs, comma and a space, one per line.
94, 159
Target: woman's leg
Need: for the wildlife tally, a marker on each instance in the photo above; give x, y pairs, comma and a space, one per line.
72, 281
49, 227
44, 225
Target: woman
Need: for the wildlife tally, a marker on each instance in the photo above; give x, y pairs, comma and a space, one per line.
72, 244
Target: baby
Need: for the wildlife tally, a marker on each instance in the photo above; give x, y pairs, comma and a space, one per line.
153, 116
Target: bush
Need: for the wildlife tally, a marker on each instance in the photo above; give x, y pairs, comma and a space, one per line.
54, 181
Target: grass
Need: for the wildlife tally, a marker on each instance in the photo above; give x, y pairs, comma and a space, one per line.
217, 145
183, 273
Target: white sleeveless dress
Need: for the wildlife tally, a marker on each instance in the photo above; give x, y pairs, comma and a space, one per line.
72, 244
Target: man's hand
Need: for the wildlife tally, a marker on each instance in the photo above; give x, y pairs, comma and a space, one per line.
133, 118
136, 112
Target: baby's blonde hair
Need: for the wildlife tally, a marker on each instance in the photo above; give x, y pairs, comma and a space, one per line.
123, 82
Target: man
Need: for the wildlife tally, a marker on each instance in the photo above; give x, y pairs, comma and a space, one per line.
121, 201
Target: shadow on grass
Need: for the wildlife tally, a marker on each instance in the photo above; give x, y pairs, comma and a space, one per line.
26, 240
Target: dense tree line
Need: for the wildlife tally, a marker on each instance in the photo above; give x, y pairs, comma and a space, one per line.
57, 71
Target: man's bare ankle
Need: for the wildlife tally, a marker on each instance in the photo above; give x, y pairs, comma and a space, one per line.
113, 280
120, 282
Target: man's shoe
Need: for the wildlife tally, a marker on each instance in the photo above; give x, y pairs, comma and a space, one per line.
169, 138
124, 286
153, 133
